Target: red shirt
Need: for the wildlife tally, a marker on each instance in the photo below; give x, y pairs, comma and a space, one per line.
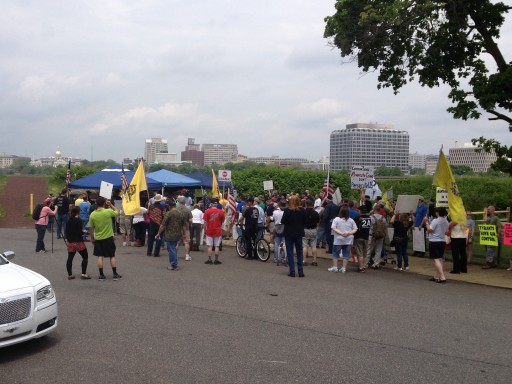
213, 219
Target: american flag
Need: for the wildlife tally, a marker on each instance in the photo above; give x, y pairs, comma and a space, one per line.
328, 189
124, 182
68, 176
232, 204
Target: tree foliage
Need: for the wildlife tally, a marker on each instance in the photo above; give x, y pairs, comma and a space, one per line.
503, 153
433, 41
388, 171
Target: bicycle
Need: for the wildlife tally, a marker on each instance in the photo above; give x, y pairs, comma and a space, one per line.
262, 246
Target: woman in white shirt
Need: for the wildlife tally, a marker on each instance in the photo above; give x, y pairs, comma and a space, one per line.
197, 227
344, 229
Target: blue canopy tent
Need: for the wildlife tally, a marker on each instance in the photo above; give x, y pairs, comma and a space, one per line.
206, 181
112, 175
169, 179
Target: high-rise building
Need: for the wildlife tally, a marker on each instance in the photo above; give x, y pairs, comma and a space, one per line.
370, 145
219, 153
152, 147
468, 155
417, 161
193, 153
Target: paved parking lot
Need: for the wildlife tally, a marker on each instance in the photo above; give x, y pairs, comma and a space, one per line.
247, 322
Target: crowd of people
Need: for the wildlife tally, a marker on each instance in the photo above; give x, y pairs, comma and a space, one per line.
302, 223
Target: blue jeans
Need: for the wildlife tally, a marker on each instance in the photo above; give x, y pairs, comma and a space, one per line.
152, 231
320, 236
290, 243
401, 254
173, 254
40, 229
278, 239
62, 222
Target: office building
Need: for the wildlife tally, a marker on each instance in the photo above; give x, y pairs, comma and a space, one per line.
417, 161
152, 147
468, 155
193, 153
369, 145
219, 153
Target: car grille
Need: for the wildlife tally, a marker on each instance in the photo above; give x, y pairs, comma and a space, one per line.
15, 310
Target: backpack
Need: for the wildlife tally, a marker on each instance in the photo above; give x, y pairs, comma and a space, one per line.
379, 229
36, 214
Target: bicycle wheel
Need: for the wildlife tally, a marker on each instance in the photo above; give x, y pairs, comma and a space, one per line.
241, 249
263, 249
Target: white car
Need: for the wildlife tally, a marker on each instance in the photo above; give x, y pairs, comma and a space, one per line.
28, 307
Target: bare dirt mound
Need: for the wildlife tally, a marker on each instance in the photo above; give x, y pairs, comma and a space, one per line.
15, 200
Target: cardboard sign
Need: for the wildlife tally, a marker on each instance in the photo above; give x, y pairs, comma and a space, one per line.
507, 234
441, 197
106, 190
268, 185
224, 176
418, 239
362, 177
488, 235
407, 203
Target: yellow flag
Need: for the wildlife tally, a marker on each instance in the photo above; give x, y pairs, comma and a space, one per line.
215, 185
131, 198
444, 179
386, 196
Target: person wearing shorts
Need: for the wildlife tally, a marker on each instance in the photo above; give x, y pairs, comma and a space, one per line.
436, 230
344, 229
213, 219
102, 235
125, 227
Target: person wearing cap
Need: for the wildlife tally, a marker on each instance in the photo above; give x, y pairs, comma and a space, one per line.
213, 219
156, 214
174, 224
42, 223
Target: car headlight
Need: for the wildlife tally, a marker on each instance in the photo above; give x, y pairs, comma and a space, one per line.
45, 293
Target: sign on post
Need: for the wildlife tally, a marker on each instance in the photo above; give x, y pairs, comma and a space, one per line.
224, 176
488, 235
268, 185
362, 177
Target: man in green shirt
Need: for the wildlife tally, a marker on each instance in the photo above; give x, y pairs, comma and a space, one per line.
102, 235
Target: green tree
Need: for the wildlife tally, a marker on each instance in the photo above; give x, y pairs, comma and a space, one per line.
503, 153
417, 171
433, 41
460, 170
388, 171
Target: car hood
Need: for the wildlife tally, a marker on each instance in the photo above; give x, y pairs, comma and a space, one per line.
14, 277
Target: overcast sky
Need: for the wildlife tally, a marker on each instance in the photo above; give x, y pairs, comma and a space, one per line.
97, 78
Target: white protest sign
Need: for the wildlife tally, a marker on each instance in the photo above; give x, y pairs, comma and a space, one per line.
268, 185
418, 239
106, 190
407, 203
361, 177
441, 197
224, 176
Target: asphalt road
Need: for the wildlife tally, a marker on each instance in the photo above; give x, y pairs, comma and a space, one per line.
248, 322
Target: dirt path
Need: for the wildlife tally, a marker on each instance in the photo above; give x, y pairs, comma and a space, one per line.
15, 200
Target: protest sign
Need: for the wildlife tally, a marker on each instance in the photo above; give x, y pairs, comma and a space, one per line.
507, 234
361, 177
441, 197
106, 189
488, 235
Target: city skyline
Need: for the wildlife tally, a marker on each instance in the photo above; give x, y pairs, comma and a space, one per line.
97, 78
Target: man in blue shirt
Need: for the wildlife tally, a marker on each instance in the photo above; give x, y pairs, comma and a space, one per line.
419, 215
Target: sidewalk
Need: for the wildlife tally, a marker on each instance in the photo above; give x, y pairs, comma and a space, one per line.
495, 277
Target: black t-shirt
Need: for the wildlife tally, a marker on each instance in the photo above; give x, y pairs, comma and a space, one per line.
364, 224
312, 218
63, 203
251, 218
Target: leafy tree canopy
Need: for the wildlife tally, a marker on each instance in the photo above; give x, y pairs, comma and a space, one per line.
503, 153
433, 41
388, 171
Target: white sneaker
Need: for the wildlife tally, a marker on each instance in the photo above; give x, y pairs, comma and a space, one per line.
188, 258
343, 270
124, 243
398, 269
406, 268
332, 269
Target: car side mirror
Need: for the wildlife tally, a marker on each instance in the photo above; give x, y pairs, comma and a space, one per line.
9, 255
